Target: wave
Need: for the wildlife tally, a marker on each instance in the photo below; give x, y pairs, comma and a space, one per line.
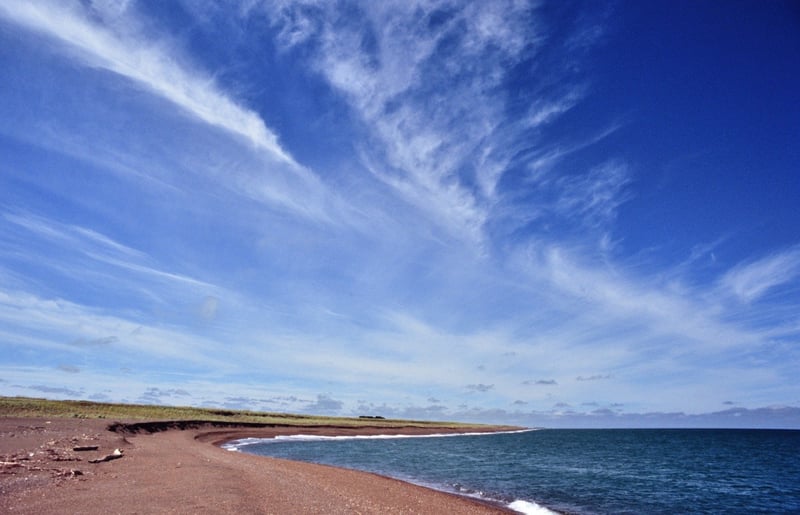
235, 445
519, 505
530, 508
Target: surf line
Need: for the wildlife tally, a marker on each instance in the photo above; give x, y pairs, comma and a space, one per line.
236, 445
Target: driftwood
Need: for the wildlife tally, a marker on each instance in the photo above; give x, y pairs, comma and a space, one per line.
68, 473
86, 448
108, 457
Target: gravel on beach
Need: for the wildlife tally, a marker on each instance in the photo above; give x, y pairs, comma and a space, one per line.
47, 468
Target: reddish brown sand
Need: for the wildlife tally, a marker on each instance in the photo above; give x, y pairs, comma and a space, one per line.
180, 470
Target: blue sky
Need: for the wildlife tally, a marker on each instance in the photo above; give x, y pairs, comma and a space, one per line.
546, 213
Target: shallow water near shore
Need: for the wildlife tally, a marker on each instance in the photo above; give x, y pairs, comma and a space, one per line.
580, 471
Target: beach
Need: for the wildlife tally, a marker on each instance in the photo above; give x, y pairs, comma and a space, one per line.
178, 467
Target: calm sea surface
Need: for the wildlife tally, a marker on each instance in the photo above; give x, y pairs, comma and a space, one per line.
641, 471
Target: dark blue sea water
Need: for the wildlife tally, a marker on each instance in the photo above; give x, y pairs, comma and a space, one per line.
583, 471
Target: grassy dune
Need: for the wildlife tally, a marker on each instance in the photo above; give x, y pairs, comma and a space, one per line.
32, 407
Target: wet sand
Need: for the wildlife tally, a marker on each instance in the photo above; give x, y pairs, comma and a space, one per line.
179, 468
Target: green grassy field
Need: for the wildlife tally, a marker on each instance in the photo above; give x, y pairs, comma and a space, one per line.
32, 407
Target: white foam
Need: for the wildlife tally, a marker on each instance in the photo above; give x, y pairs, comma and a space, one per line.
236, 444
530, 508
306, 438
310, 438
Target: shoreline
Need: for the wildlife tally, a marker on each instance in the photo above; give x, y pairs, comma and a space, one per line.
180, 467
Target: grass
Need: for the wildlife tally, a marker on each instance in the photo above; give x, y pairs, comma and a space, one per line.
42, 408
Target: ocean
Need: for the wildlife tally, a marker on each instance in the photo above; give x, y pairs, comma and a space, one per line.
636, 471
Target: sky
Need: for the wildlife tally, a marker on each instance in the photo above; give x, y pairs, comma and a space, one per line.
559, 214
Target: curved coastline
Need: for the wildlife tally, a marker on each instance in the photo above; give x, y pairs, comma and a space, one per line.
516, 506
169, 467
234, 440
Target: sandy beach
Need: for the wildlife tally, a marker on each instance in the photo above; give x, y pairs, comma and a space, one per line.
179, 468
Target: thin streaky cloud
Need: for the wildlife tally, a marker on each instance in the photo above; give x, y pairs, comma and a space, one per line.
60, 320
98, 247
623, 297
427, 132
70, 235
749, 282
594, 197
543, 111
149, 65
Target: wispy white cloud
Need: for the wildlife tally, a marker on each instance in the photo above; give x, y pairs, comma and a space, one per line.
750, 281
252, 164
62, 240
145, 62
71, 236
420, 76
112, 337
545, 110
621, 296
593, 197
